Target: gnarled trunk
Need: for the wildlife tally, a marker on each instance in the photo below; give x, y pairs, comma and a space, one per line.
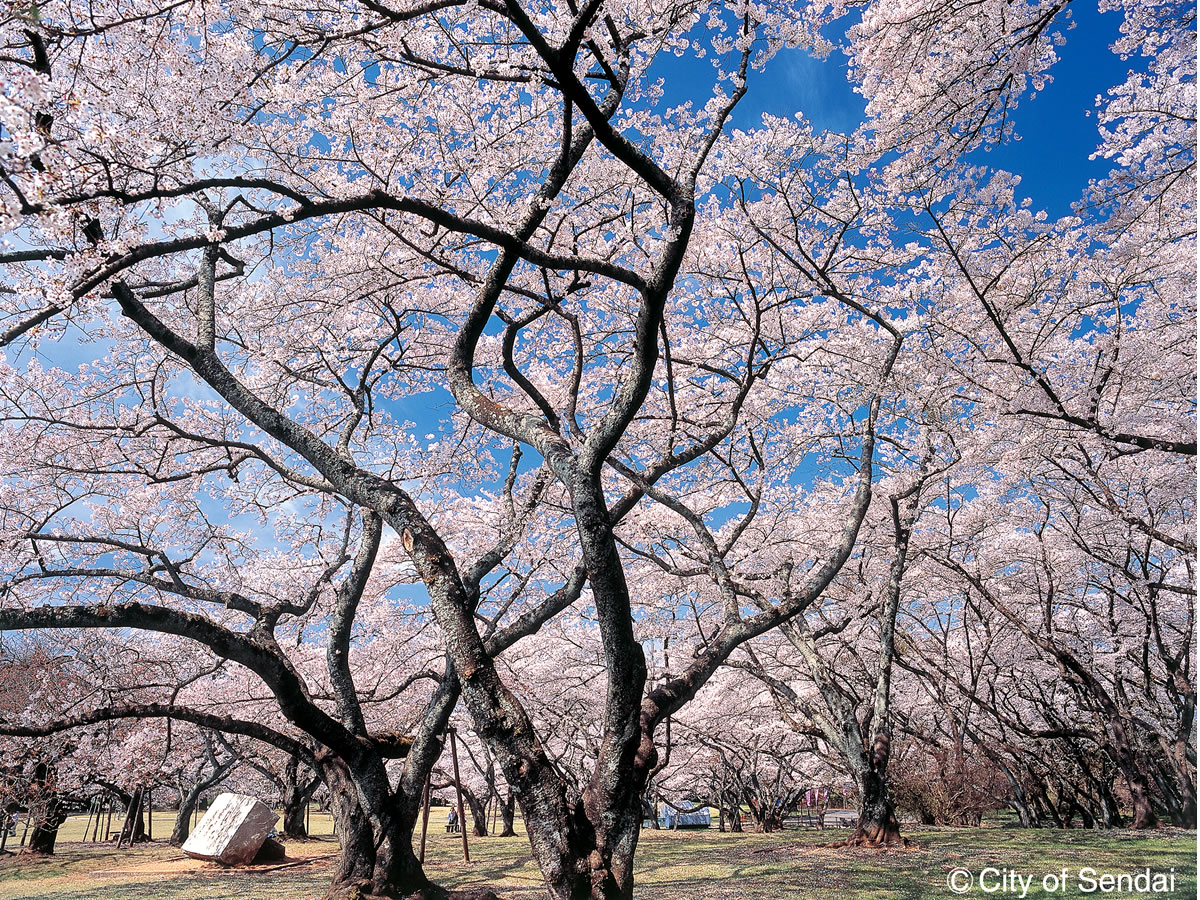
45, 829
183, 820
375, 832
596, 864
138, 830
766, 818
508, 815
1126, 759
478, 813
877, 825
294, 825
296, 797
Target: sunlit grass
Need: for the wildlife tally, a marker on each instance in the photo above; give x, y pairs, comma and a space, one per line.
686, 865
320, 825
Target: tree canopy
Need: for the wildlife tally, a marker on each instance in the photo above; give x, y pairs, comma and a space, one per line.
362, 359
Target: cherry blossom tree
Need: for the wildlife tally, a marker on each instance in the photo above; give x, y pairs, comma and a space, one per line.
508, 233
382, 334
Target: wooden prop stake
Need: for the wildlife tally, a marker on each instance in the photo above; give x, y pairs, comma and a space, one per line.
424, 820
87, 826
462, 822
100, 807
131, 817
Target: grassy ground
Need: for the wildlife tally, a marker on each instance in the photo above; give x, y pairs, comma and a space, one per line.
692, 865
320, 825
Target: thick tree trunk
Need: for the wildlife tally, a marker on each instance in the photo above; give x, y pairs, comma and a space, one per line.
508, 815
766, 819
1110, 810
45, 831
1126, 759
293, 819
129, 800
1024, 814
377, 858
584, 847
877, 825
596, 868
1019, 801
356, 859
183, 820
1085, 815
296, 797
48, 817
136, 833
734, 814
478, 813
1049, 807
1143, 810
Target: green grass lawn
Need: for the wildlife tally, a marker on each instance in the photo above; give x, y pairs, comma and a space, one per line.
688, 865
320, 825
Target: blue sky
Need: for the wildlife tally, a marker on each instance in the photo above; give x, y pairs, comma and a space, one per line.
1056, 132
1057, 135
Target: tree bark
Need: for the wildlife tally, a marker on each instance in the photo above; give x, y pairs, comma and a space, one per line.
45, 831
1126, 759
293, 820
183, 820
129, 799
1019, 801
296, 797
478, 813
877, 825
508, 815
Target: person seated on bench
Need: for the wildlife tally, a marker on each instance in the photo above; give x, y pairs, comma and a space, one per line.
452, 820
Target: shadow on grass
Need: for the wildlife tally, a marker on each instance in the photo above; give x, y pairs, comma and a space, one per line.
693, 865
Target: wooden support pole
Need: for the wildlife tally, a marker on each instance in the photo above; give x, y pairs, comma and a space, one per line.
139, 805
102, 802
25, 830
87, 826
131, 817
149, 815
137, 815
112, 801
125, 822
462, 822
424, 820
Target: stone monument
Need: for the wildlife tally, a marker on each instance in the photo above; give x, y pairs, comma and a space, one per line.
232, 830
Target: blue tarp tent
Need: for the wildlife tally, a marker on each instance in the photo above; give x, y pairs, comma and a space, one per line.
669, 817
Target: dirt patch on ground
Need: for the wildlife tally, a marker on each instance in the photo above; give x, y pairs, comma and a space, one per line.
90, 870
302, 854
